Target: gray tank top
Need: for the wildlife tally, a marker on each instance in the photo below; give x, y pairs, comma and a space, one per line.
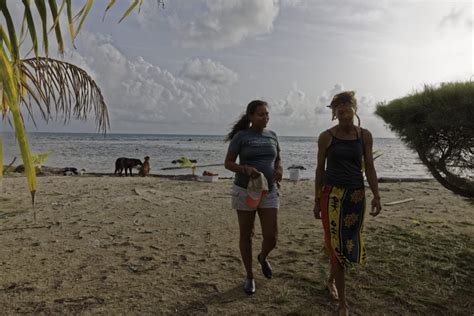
344, 163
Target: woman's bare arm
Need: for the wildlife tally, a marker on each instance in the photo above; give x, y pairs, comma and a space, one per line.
323, 144
370, 172
230, 164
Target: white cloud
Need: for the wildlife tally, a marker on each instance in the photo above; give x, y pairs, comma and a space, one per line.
456, 15
208, 71
325, 98
291, 3
138, 91
293, 114
226, 23
293, 103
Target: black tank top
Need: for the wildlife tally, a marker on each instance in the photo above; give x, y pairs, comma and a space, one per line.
344, 162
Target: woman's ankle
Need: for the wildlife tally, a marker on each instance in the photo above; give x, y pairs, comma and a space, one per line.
343, 304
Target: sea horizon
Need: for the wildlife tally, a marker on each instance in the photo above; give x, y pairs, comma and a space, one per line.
96, 152
162, 134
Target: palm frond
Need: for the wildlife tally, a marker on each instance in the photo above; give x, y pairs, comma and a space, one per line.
31, 25
61, 88
4, 40
83, 14
70, 21
7, 75
109, 5
15, 51
57, 27
132, 6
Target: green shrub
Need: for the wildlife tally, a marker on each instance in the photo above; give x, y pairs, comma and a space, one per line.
438, 123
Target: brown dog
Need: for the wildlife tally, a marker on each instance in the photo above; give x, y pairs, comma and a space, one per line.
145, 169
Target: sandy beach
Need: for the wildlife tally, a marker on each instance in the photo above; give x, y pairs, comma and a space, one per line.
116, 245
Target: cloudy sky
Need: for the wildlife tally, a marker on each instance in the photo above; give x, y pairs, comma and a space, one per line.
192, 67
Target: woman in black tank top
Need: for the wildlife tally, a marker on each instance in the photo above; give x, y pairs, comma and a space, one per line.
340, 195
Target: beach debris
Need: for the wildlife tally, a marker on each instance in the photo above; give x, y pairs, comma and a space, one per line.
208, 173
399, 202
299, 167
132, 268
138, 222
45, 170
138, 191
184, 162
69, 171
377, 153
295, 172
8, 169
208, 176
38, 160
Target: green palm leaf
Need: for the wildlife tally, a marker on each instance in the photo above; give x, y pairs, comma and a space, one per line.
132, 6
70, 20
83, 14
14, 50
57, 27
109, 5
41, 6
10, 96
63, 88
31, 25
4, 40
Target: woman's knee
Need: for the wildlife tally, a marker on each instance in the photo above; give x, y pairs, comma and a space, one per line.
246, 236
270, 239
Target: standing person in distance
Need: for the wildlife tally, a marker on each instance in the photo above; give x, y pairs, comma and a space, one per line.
340, 194
259, 153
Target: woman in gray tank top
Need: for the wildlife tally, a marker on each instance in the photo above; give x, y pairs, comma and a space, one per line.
343, 151
259, 156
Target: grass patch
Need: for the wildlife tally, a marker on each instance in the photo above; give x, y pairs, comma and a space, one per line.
415, 272
283, 296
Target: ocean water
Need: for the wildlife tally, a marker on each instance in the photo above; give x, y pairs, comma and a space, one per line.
97, 153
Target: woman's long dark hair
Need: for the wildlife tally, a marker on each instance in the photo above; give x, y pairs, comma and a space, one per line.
244, 121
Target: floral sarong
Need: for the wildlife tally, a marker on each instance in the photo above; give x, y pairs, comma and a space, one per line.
342, 214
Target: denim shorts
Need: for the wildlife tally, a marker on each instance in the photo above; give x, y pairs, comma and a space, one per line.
270, 200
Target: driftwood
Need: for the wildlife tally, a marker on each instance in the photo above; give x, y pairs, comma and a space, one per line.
193, 166
46, 171
399, 202
393, 180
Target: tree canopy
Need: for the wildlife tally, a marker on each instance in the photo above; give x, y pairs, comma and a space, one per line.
438, 123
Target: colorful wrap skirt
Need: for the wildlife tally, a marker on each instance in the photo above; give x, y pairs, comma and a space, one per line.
342, 214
